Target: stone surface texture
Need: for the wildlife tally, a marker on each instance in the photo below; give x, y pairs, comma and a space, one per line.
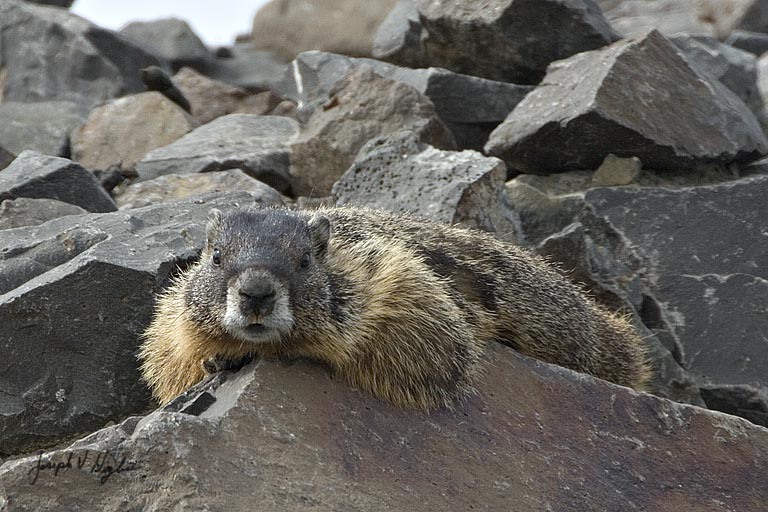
573, 120
74, 361
171, 40
402, 175
121, 132
44, 126
362, 105
508, 40
16, 213
50, 65
341, 26
259, 145
245, 439
173, 187
211, 99
37, 176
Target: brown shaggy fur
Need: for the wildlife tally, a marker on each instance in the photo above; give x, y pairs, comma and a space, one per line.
397, 306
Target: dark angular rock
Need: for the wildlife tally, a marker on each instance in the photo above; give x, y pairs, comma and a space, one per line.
400, 37
752, 42
45, 50
734, 68
362, 105
16, 213
252, 70
509, 40
629, 99
37, 176
171, 40
6, 157
470, 107
258, 436
700, 281
57, 3
400, 174
259, 145
75, 294
44, 127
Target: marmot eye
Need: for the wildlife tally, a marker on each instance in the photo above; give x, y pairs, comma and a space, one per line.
305, 260
216, 257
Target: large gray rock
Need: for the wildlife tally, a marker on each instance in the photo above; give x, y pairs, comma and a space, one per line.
289, 438
712, 289
37, 176
47, 53
122, 131
506, 40
253, 70
173, 187
44, 127
717, 18
638, 97
341, 26
16, 213
734, 68
259, 145
171, 40
362, 105
752, 42
75, 295
470, 107
400, 37
402, 175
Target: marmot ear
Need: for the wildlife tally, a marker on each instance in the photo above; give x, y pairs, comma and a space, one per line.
320, 231
214, 223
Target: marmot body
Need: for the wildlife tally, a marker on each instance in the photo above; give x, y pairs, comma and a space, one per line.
398, 306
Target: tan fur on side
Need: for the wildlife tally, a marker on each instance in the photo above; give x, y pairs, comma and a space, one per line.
399, 307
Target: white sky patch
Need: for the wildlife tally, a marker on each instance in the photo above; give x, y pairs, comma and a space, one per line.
216, 23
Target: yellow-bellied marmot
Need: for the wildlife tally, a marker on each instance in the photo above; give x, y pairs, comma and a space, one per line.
396, 305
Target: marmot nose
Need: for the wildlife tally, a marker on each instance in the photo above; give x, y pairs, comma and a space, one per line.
258, 297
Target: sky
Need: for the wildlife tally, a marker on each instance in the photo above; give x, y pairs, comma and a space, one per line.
215, 22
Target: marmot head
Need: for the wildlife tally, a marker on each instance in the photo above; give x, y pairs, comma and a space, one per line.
259, 269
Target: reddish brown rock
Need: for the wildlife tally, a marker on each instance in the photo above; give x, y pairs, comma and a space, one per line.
361, 106
124, 130
289, 438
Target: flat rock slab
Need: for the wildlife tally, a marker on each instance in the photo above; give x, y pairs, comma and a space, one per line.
361, 106
509, 40
537, 437
259, 145
627, 99
46, 50
121, 132
44, 126
16, 213
402, 175
703, 281
470, 107
174, 187
75, 295
37, 176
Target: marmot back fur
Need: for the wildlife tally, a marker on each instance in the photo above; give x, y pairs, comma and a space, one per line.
396, 305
